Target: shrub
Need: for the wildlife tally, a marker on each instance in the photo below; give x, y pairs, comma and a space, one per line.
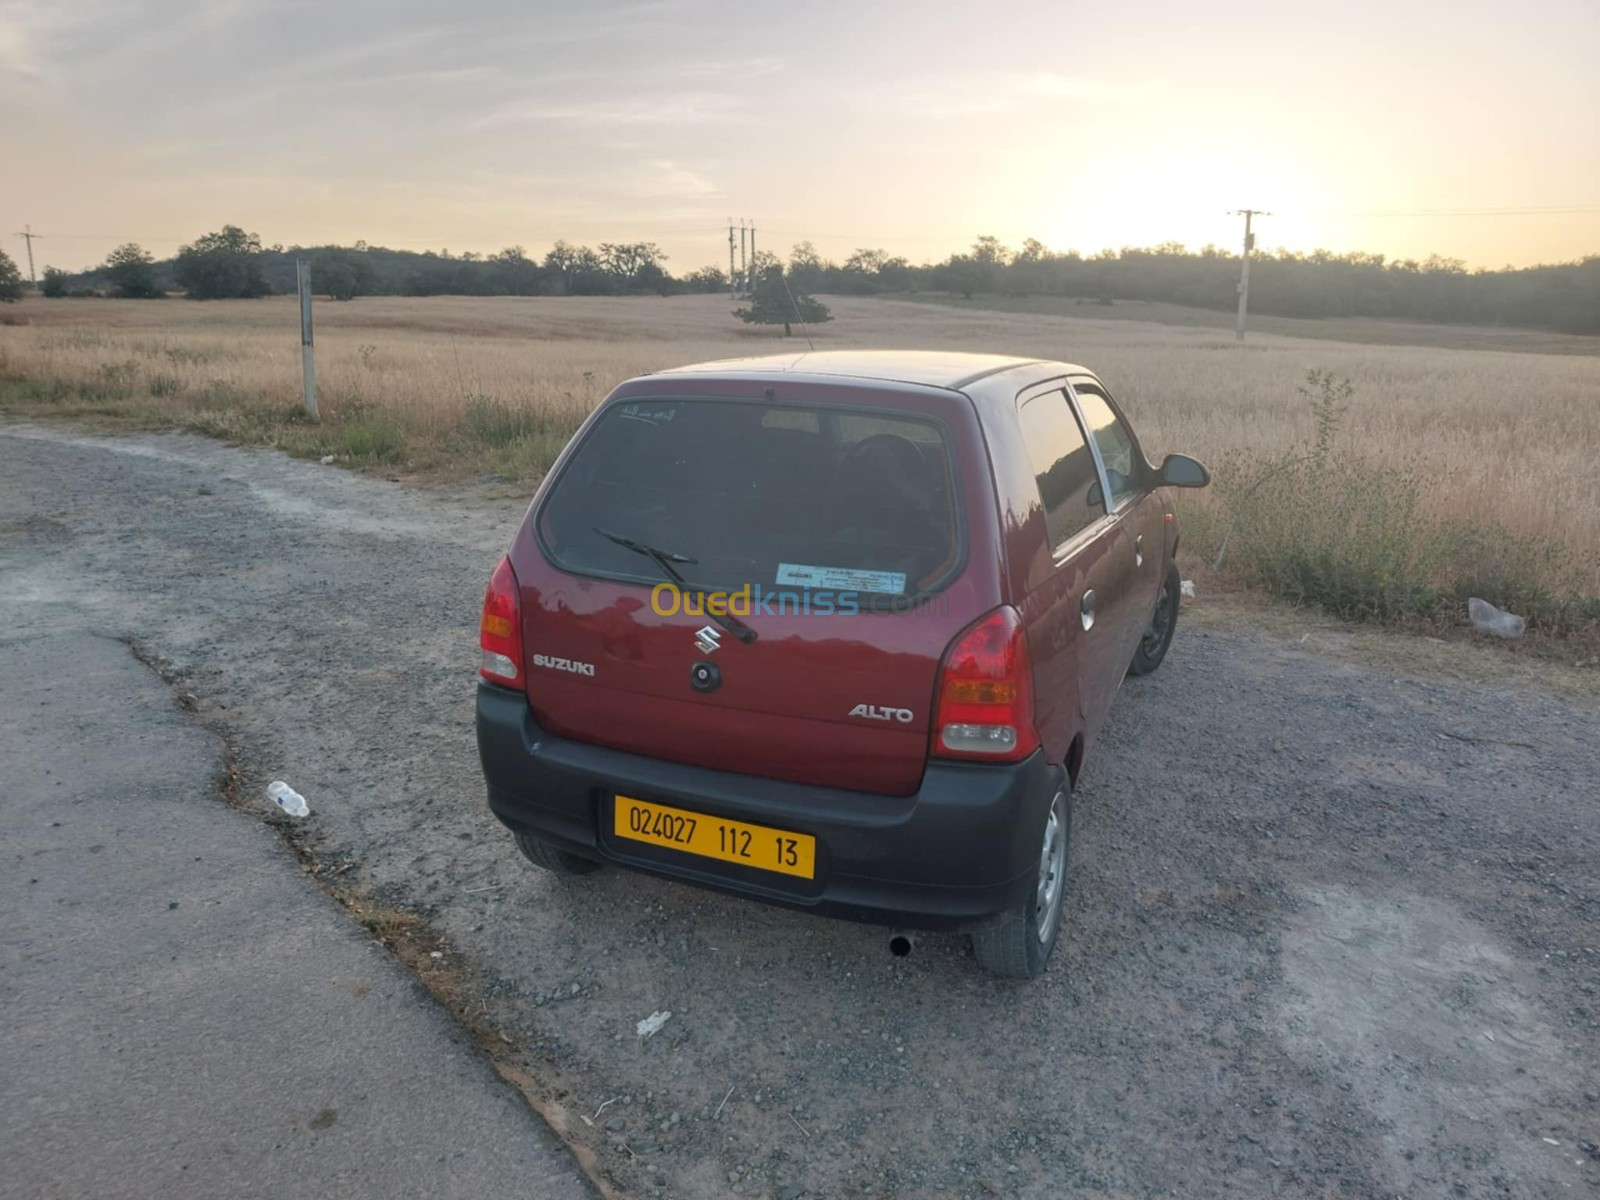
1342, 534
775, 304
1319, 526
222, 265
10, 280
131, 271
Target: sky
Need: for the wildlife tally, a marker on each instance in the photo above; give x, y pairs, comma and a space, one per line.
1403, 127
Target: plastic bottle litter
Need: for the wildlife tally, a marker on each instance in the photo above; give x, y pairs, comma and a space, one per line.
1486, 618
1187, 588
652, 1023
286, 798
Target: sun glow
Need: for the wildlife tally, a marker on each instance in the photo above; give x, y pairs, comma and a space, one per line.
1177, 195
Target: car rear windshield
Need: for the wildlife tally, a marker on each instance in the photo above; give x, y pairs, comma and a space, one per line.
833, 499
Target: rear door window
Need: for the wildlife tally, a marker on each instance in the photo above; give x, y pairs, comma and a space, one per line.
1063, 465
759, 493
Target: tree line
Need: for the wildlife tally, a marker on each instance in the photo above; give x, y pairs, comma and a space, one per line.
233, 263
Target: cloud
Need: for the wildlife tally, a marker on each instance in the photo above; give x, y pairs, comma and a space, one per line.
1069, 87
651, 180
993, 93
674, 180
31, 33
681, 108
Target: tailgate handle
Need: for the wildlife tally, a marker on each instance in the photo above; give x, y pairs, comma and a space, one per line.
1086, 609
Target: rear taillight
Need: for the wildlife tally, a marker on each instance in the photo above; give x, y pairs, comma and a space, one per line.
984, 706
500, 632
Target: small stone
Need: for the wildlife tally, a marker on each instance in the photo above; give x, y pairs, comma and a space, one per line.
575, 989
792, 1192
171, 904
616, 1125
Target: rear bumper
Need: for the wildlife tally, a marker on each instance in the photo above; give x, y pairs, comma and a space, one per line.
962, 849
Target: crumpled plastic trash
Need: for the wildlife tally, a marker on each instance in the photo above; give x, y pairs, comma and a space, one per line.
651, 1023
286, 798
326, 460
1486, 618
1187, 588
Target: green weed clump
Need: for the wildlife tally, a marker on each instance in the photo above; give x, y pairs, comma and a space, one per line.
488, 421
1317, 525
379, 438
519, 441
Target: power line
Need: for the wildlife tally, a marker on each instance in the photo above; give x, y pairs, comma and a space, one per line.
1534, 211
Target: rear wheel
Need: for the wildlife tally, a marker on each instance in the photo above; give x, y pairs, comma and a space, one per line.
1163, 624
1018, 944
552, 858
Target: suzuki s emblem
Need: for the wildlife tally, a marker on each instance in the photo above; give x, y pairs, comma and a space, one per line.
708, 640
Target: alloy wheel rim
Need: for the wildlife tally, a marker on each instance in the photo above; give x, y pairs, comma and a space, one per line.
1052, 869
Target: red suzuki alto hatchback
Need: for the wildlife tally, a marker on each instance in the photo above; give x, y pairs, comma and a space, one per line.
834, 631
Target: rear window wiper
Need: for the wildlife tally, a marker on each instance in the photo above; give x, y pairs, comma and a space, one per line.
664, 559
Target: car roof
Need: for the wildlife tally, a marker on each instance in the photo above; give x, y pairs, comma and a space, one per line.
928, 368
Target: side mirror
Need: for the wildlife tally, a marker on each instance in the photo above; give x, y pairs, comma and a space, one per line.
1179, 470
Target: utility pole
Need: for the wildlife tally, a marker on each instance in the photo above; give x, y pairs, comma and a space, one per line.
744, 262
308, 353
28, 234
1244, 266
733, 280
752, 282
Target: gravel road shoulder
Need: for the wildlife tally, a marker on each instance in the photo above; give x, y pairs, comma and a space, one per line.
1334, 929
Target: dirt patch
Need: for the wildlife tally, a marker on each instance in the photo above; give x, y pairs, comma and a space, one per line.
1441, 1032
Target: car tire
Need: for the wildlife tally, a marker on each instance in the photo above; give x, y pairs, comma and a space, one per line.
552, 858
1154, 641
1017, 945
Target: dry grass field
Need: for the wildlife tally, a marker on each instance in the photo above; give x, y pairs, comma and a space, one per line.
1497, 442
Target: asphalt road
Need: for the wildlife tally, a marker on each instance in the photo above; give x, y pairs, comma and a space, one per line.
186, 1014
1334, 929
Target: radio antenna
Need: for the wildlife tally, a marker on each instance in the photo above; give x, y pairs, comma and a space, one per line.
784, 275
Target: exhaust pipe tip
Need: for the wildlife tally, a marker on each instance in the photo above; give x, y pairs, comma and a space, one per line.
900, 944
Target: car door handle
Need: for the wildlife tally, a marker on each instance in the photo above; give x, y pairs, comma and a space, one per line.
1086, 609
1138, 551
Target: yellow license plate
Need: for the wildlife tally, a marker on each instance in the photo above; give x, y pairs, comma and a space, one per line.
716, 837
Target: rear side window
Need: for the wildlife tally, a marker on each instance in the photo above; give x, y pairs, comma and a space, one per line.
825, 498
1063, 466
